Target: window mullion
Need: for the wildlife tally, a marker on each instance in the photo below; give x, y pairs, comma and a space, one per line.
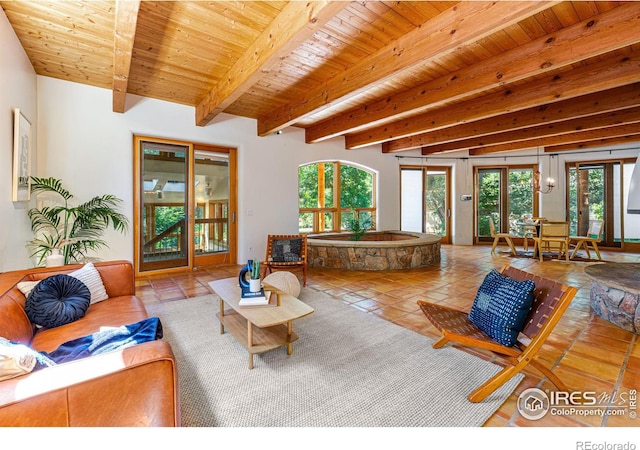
337, 218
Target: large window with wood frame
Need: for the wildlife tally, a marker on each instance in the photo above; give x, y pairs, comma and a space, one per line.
332, 193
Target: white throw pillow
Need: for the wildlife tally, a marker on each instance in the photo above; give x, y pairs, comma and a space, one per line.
90, 276
15, 359
27, 286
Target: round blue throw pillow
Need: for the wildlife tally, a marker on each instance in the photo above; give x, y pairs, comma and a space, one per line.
57, 300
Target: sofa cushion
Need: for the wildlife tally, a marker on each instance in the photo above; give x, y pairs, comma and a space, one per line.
107, 340
115, 312
501, 307
57, 300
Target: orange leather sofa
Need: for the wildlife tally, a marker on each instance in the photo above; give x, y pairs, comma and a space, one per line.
137, 386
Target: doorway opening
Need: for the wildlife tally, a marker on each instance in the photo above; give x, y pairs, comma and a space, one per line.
425, 200
185, 205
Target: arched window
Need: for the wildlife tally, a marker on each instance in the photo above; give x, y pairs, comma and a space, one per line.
333, 194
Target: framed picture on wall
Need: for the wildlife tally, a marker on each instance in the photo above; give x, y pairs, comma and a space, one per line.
21, 157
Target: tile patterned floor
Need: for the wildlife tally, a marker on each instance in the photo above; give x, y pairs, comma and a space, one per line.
586, 352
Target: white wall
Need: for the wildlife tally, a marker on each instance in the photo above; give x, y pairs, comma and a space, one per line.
90, 148
17, 90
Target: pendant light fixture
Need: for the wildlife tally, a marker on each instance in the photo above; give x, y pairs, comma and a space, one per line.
551, 183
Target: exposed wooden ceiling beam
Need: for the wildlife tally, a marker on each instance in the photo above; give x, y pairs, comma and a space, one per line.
583, 106
126, 18
633, 139
570, 138
606, 74
462, 24
292, 26
626, 116
588, 128
611, 30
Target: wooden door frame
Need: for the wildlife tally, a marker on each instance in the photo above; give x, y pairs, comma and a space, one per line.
609, 188
447, 238
504, 199
231, 256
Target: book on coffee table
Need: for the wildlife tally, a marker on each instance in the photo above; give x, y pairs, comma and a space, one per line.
246, 293
261, 298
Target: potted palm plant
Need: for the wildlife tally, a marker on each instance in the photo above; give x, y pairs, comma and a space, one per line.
71, 231
358, 226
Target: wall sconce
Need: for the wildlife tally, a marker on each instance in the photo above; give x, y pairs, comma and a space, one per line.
208, 190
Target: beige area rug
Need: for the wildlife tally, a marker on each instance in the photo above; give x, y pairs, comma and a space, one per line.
348, 369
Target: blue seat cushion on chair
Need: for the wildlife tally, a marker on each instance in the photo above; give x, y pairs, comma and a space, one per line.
57, 300
501, 307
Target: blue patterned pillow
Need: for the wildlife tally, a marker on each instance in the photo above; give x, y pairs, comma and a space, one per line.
286, 250
501, 307
57, 300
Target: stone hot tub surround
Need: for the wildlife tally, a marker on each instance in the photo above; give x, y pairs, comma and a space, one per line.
377, 250
615, 293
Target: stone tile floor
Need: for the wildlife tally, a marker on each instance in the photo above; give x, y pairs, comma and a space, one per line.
586, 352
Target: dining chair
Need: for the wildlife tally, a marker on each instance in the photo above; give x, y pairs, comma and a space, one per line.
594, 235
552, 233
530, 230
497, 236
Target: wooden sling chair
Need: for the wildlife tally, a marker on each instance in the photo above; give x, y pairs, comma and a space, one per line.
287, 252
551, 299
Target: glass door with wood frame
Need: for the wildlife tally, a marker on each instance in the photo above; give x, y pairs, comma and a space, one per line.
213, 231
425, 200
186, 197
595, 192
505, 195
162, 225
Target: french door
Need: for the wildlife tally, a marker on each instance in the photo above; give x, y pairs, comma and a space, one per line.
425, 200
504, 194
595, 191
185, 203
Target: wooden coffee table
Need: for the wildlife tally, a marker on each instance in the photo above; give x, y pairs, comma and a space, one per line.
258, 328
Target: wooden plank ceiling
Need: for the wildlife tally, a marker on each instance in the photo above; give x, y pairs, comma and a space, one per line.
440, 76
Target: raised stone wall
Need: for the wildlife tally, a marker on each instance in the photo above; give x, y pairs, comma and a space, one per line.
617, 306
615, 293
413, 251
